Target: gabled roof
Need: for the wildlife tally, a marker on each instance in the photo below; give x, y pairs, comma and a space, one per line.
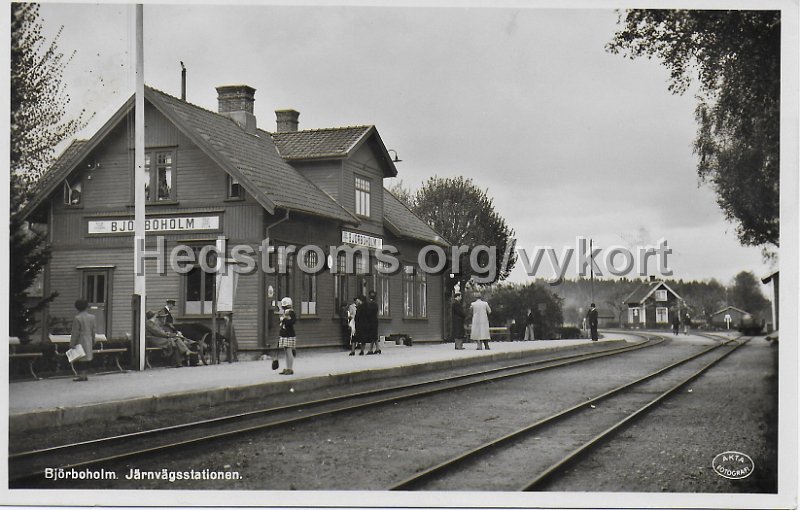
403, 223
251, 158
329, 143
644, 291
731, 308
69, 158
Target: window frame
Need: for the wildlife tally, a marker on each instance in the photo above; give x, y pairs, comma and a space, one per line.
231, 181
285, 285
308, 286
664, 312
363, 196
415, 293
382, 284
151, 169
341, 285
76, 186
197, 247
661, 296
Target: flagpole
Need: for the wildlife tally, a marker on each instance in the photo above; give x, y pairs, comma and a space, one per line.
139, 184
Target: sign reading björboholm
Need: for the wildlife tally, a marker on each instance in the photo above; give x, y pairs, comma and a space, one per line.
362, 240
171, 224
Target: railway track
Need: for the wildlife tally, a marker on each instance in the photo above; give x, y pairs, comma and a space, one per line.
522, 447
25, 467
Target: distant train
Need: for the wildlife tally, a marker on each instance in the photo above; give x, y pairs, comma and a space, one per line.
749, 325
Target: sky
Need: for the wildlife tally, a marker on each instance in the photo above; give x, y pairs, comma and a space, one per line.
568, 139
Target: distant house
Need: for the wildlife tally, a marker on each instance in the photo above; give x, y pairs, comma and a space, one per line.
652, 304
727, 317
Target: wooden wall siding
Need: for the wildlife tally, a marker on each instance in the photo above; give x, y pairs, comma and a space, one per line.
65, 279
245, 309
199, 179
327, 175
302, 230
242, 222
364, 163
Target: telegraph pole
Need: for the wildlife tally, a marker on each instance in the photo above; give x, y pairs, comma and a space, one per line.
139, 184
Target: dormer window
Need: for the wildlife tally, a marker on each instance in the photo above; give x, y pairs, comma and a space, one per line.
362, 196
159, 169
234, 188
72, 192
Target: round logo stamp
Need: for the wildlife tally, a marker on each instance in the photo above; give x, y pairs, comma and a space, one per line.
733, 465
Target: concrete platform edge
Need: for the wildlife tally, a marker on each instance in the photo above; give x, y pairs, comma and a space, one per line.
112, 410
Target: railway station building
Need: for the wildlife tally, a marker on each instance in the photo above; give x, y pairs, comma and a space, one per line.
215, 175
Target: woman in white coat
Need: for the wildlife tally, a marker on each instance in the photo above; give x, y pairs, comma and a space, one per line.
480, 322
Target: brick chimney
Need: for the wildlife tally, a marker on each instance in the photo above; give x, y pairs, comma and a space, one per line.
236, 102
286, 120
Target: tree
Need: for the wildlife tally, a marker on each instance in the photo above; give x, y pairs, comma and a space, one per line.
704, 298
403, 194
745, 293
465, 215
38, 125
736, 58
510, 304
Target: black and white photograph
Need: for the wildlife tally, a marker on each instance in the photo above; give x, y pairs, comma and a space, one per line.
457, 254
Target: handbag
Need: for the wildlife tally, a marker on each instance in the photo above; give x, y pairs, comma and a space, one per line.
75, 353
275, 364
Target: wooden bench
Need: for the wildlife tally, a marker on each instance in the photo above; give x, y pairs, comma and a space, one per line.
502, 332
62, 342
30, 357
149, 350
495, 331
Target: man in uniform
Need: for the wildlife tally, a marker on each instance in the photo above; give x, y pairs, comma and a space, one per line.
165, 316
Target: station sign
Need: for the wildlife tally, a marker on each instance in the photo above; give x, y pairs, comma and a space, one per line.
171, 224
362, 240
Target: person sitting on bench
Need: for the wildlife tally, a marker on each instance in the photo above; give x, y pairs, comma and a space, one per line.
172, 344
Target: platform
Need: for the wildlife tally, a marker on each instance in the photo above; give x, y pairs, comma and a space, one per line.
60, 401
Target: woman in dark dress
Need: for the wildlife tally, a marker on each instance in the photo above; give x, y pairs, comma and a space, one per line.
362, 324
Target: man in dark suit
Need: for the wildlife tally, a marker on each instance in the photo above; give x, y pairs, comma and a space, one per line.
458, 322
591, 317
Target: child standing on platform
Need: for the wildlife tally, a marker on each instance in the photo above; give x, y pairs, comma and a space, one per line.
288, 339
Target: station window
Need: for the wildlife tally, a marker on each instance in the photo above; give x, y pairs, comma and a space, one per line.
234, 188
341, 296
662, 315
362, 196
160, 175
661, 295
308, 299
200, 285
382, 281
415, 290
72, 192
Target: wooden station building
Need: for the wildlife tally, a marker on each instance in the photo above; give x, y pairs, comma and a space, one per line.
212, 174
